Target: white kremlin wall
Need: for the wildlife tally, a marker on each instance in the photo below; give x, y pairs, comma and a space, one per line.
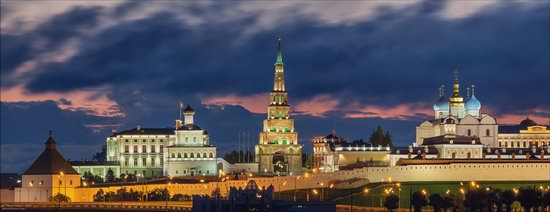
524, 171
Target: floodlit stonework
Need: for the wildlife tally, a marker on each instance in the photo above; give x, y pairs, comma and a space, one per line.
278, 151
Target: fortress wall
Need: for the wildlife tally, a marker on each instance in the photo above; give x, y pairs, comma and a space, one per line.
412, 173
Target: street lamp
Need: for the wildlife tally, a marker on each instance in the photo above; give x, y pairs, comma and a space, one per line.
295, 179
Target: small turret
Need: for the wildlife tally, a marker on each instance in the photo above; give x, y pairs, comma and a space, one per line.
188, 113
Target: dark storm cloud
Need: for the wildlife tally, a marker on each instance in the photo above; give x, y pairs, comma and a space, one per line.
16, 49
390, 60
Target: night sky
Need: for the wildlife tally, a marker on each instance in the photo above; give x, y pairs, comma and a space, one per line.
84, 68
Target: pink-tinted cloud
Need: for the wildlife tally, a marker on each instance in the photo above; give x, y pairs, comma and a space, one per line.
512, 119
317, 105
256, 103
93, 102
398, 112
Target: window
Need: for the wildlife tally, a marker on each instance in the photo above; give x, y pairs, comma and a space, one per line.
487, 132
153, 141
153, 149
469, 132
144, 172
176, 173
204, 155
135, 162
276, 142
60, 182
179, 155
185, 155
135, 148
286, 129
198, 155
186, 139
160, 148
70, 182
173, 155
144, 161
184, 172
126, 140
211, 155
152, 162
284, 141
274, 129
161, 140
144, 148
135, 140
126, 148
524, 144
125, 163
462, 151
192, 155
194, 139
207, 171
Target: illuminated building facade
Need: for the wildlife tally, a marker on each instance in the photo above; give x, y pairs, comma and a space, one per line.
525, 135
153, 152
465, 115
278, 151
190, 153
50, 174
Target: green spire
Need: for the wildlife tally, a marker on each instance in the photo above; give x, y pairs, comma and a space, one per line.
279, 53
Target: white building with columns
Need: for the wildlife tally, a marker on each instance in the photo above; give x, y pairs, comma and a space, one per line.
190, 153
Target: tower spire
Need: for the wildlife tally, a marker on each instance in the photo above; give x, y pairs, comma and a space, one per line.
279, 51
473, 89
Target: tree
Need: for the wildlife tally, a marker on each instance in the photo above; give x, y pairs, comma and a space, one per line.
494, 200
387, 141
476, 199
391, 202
528, 198
59, 198
449, 202
216, 193
158, 194
508, 198
437, 202
418, 200
178, 197
377, 136
100, 196
546, 201
110, 176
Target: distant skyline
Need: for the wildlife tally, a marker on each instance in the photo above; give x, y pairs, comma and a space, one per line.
85, 68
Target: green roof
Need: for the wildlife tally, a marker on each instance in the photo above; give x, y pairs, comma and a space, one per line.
279, 54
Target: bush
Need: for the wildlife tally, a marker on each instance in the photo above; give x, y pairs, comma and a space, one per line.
59, 198
391, 202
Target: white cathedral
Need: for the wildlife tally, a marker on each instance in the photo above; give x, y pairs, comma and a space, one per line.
463, 115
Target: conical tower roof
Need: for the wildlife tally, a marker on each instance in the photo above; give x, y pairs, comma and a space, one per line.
50, 162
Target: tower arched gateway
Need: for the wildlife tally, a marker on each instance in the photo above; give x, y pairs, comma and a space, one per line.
278, 151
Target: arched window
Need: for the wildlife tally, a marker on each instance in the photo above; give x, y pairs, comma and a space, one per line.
487, 132
192, 155
185, 155
211, 155
204, 155
199, 155
469, 132
179, 155
173, 155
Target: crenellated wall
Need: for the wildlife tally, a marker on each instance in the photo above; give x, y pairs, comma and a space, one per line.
537, 171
